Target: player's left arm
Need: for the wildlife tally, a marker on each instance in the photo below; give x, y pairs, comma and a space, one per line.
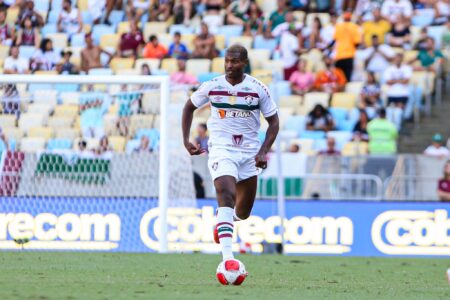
271, 135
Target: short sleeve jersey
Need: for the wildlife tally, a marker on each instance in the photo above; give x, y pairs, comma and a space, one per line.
235, 111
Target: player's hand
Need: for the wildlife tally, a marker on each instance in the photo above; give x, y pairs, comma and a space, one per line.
193, 150
261, 160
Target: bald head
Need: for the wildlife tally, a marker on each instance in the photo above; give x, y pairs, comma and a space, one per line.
238, 50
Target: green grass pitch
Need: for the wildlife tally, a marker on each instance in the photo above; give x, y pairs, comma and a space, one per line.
46, 275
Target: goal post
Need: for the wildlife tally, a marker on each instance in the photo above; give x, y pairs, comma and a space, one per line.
164, 88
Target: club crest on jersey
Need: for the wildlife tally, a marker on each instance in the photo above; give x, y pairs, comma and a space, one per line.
233, 114
238, 139
215, 165
248, 99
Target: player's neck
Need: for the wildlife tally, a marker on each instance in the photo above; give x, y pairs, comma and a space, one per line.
235, 81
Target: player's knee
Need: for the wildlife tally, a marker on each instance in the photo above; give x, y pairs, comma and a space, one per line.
243, 215
226, 196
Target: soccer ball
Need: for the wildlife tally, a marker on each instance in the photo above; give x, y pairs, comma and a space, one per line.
231, 271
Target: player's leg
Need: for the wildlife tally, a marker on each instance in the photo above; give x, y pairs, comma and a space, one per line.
245, 198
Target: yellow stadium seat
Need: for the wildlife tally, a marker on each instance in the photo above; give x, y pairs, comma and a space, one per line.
45, 73
165, 39
343, 100
41, 108
306, 145
188, 40
354, 87
70, 97
7, 121
118, 63
4, 52
60, 122
12, 15
32, 144
45, 96
67, 133
59, 40
415, 34
292, 101
246, 41
109, 40
169, 65
110, 123
220, 41
276, 66
40, 132
123, 27
425, 80
139, 122
264, 75
83, 5
355, 148
312, 99
117, 143
198, 66
30, 120
87, 27
218, 65
66, 110
151, 102
257, 57
153, 63
410, 55
155, 28
13, 133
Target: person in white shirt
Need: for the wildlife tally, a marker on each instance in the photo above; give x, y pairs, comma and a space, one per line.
378, 56
436, 149
14, 64
392, 10
397, 76
290, 47
69, 20
282, 28
235, 154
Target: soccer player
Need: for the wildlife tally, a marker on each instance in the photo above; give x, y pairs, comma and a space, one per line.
235, 153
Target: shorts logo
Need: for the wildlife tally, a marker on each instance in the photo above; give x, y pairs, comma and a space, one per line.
214, 166
238, 139
233, 114
248, 100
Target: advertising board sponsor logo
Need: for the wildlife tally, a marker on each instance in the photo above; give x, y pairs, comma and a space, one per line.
67, 231
191, 230
402, 232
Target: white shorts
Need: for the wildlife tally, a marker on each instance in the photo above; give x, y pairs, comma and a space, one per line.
224, 162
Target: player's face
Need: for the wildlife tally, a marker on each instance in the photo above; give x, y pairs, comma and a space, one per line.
234, 65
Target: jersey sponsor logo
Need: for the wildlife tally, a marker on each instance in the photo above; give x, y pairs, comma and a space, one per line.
237, 139
233, 114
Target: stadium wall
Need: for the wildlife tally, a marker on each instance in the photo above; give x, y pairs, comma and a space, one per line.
312, 227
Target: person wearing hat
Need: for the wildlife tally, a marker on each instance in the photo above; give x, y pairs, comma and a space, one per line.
436, 148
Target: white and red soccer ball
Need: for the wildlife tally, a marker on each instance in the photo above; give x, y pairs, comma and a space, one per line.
231, 271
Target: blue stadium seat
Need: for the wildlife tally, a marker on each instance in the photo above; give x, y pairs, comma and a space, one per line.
320, 144
424, 18
296, 123
230, 31
339, 116
181, 29
159, 72
60, 144
436, 32
48, 28
32, 87
207, 76
341, 137
57, 4
131, 145
116, 17
77, 40
87, 18
26, 51
99, 30
66, 87
42, 5
261, 43
281, 88
152, 134
314, 135
53, 16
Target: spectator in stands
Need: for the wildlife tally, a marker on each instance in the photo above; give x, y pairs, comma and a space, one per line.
144, 145
436, 148
330, 80
45, 58
3, 5
442, 11
178, 49
421, 42
331, 148
237, 12
382, 135
378, 27
365, 10
202, 137
160, 10
204, 44
28, 35
313, 37
282, 28
7, 33
400, 36
14, 64
83, 151
181, 76
69, 20
254, 21
430, 58
27, 11
370, 94
135, 9
182, 11
301, 81
360, 129
145, 70
212, 16
154, 49
397, 76
444, 184
393, 10
294, 148
91, 55
278, 17
347, 36
377, 57
104, 150
131, 42
290, 49
319, 119
66, 66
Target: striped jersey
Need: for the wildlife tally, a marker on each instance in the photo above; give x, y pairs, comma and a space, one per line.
235, 111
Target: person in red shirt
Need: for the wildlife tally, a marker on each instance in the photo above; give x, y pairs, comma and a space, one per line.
444, 184
331, 148
154, 49
131, 42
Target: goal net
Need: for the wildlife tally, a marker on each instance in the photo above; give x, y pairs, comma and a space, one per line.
92, 163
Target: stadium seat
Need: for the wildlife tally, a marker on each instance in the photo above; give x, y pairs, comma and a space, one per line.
70, 97
42, 5
425, 80
153, 63
355, 148
53, 15
281, 88
165, 39
131, 145
343, 100
320, 144
41, 108
188, 40
66, 110
155, 28
26, 51
341, 138
83, 5
257, 56
30, 145
276, 67
66, 87
40, 132
4, 52
101, 71
101, 29
424, 18
7, 121
339, 116
315, 135
77, 40
230, 31
109, 40
198, 66
110, 123
181, 29
140, 122
117, 143
30, 120
264, 75
153, 134
312, 99
60, 122
59, 144
295, 123
245, 41
13, 133
87, 17
116, 17
207, 76
46, 96
262, 43
123, 27
118, 63
220, 41
48, 29
69, 133
437, 33
354, 87
293, 101
151, 102
218, 65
